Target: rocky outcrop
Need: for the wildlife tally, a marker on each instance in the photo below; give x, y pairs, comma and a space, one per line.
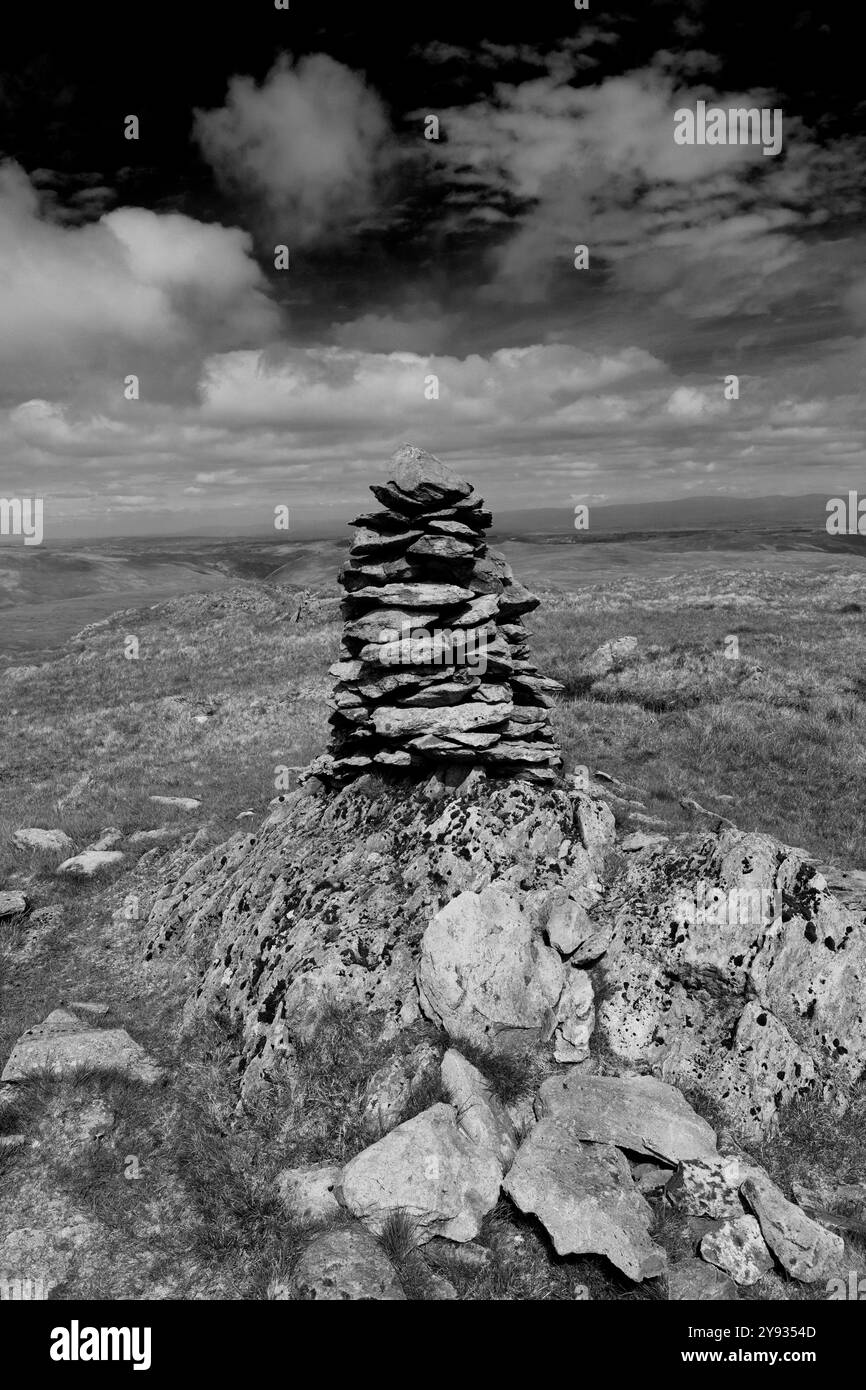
332, 897
434, 666
733, 970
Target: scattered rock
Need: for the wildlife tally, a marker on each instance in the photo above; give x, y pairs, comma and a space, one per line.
109, 839
737, 1247
585, 1197
480, 1114
308, 1193
181, 803
51, 841
94, 1010
641, 840
392, 1087
802, 1246
150, 837
345, 1265
710, 1187
428, 1168
12, 904
638, 1113
90, 863
62, 1044
603, 660
469, 1258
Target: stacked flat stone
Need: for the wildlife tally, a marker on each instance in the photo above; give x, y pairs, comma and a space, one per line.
434, 668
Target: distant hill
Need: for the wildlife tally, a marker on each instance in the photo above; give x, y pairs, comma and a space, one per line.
684, 513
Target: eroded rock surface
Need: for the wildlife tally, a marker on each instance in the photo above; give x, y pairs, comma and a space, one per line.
332, 897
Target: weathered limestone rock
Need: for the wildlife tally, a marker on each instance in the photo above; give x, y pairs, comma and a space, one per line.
737, 1247
608, 655
391, 1088
308, 1193
635, 1112
567, 926
345, 1265
429, 1169
575, 1018
62, 1044
12, 904
710, 1187
802, 1246
51, 841
90, 863
585, 1197
331, 897
480, 1114
108, 839
485, 976
732, 968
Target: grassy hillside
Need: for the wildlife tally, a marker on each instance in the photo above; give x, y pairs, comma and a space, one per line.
231, 685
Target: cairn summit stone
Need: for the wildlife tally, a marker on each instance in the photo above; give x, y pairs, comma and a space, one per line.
429, 478
433, 619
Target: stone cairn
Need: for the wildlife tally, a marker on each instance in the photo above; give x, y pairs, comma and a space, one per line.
434, 668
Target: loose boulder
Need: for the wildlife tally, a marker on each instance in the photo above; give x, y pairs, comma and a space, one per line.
638, 1113
584, 1196
429, 1169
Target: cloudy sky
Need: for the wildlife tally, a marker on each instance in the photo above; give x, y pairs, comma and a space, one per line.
412, 258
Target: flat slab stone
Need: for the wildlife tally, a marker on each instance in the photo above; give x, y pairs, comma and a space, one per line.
442, 548
584, 1196
53, 841
62, 1045
802, 1246
636, 1112
90, 863
419, 595
392, 721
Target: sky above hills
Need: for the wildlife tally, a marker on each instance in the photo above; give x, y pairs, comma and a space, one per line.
413, 259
